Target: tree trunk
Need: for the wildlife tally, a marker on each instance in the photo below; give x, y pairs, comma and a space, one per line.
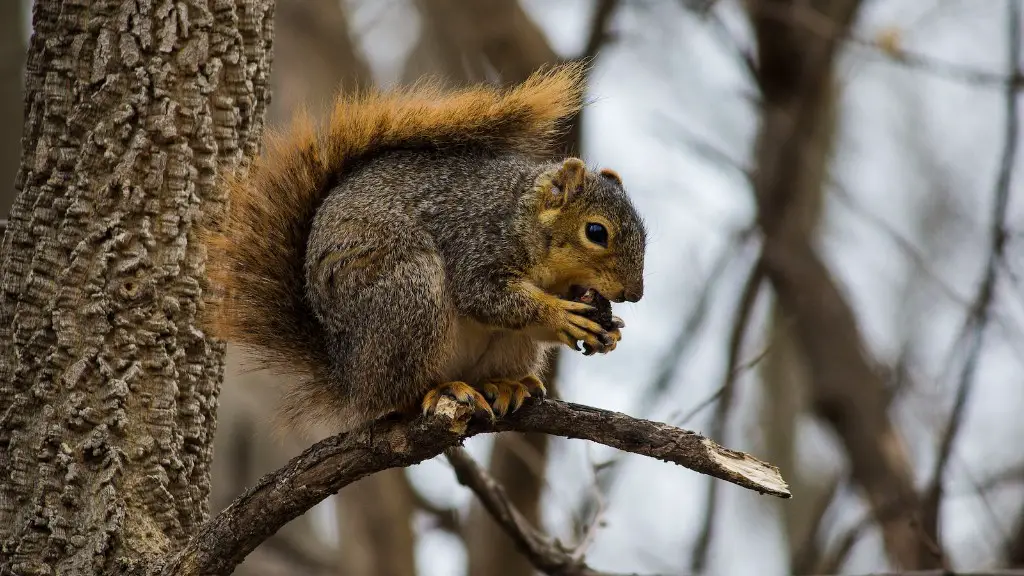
108, 385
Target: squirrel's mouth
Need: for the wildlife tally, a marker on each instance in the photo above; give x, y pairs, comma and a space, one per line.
576, 291
587, 294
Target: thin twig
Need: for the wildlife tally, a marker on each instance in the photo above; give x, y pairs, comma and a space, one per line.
940, 572
819, 24
719, 28
978, 316
587, 527
668, 363
599, 34
809, 552
714, 396
941, 68
545, 554
744, 312
444, 517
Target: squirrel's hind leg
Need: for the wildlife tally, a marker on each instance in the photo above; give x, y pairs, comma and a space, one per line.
507, 373
379, 291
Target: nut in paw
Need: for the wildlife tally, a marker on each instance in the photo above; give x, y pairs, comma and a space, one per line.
600, 313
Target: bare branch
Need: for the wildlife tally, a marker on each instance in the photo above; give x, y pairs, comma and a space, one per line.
744, 310
978, 316
809, 552
817, 23
948, 70
718, 27
599, 34
671, 359
332, 464
547, 555
445, 518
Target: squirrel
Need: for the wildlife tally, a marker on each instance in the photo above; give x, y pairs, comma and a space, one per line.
421, 243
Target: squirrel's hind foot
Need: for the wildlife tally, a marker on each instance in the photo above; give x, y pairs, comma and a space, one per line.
507, 396
535, 386
460, 392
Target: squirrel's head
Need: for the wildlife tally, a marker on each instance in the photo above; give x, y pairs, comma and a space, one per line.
594, 236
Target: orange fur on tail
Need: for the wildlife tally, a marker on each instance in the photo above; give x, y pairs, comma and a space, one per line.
257, 248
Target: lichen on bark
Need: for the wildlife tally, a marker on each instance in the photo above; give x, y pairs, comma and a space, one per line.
108, 385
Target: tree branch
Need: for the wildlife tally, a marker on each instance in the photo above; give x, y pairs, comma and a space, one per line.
547, 555
332, 464
599, 33
741, 322
979, 314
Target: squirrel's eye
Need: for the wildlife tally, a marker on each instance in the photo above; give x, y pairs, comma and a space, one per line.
597, 234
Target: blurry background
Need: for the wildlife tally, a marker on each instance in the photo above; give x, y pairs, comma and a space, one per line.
897, 426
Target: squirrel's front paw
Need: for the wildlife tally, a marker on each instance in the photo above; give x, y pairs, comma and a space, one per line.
571, 327
460, 392
508, 395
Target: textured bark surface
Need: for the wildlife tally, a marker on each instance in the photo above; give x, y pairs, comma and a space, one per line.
108, 388
12, 64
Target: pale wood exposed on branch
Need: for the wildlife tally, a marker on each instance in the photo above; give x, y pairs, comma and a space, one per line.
332, 464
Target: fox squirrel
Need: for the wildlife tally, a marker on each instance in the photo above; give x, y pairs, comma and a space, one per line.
420, 244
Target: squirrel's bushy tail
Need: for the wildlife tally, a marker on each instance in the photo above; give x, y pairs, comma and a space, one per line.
256, 249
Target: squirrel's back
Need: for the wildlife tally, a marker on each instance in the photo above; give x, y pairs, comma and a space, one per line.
256, 250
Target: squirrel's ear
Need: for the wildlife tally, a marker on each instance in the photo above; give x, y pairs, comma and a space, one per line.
566, 183
611, 175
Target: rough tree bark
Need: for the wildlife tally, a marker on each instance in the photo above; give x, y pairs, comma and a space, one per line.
795, 61
108, 387
12, 65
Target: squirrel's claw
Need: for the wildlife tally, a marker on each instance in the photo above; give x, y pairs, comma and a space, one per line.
535, 386
614, 336
572, 306
591, 333
460, 392
609, 341
505, 395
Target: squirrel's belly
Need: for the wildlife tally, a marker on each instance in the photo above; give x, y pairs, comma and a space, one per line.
482, 353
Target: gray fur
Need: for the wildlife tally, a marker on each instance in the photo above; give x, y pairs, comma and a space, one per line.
408, 266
